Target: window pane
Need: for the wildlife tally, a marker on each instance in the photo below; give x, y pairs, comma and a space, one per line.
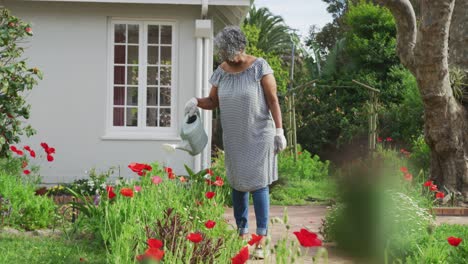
166, 76
153, 55
152, 117
119, 75
165, 97
166, 34
132, 95
153, 34
152, 96
118, 116
133, 34
152, 76
132, 116
132, 75
119, 34
119, 96
165, 118
119, 54
166, 55
132, 55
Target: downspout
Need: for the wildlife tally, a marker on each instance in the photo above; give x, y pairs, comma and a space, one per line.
203, 60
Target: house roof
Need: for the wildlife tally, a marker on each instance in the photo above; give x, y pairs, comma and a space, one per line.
223, 12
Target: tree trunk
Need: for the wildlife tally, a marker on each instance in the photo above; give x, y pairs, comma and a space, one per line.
458, 56
425, 52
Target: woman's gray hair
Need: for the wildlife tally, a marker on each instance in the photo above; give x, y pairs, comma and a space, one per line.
230, 42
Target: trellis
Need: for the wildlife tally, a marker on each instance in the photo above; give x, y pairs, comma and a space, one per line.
373, 101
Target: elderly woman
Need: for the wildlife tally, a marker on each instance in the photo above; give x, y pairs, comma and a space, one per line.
244, 89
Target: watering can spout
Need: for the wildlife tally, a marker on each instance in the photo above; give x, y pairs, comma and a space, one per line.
184, 145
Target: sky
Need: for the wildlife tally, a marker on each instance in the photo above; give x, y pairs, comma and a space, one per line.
299, 14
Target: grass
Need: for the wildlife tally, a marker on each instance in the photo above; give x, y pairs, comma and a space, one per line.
303, 192
23, 249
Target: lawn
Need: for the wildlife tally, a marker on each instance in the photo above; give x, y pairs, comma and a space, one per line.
26, 249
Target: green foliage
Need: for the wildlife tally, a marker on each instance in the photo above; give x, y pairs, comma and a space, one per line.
305, 167
420, 154
403, 121
15, 79
273, 34
122, 223
28, 211
252, 33
49, 250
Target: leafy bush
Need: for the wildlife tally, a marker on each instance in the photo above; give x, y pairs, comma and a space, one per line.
15, 79
420, 154
306, 167
28, 211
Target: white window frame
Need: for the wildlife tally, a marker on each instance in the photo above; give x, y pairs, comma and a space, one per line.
141, 132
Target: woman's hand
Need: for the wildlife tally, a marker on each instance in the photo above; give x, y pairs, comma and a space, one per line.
280, 140
191, 106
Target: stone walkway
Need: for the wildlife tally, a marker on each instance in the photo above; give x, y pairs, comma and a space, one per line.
309, 217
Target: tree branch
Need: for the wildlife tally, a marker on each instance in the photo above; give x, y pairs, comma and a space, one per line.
405, 19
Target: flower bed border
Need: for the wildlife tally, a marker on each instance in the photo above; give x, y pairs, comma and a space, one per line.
450, 211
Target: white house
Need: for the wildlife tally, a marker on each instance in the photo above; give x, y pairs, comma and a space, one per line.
117, 74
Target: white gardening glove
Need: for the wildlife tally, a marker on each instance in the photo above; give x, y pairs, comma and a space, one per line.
280, 140
191, 106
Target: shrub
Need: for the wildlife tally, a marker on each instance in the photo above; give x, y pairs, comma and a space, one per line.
15, 79
420, 154
28, 211
306, 167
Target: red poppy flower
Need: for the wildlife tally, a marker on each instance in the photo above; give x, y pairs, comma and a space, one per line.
171, 176
44, 145
139, 168
156, 180
242, 256
168, 170
209, 182
127, 192
50, 158
32, 153
408, 176
454, 241
440, 195
210, 224
195, 237
404, 169
389, 139
19, 152
308, 239
154, 254
255, 239
433, 188
28, 148
428, 183
154, 243
50, 150
28, 30
209, 171
137, 188
27, 172
110, 192
182, 179
219, 181
210, 195
13, 148
379, 139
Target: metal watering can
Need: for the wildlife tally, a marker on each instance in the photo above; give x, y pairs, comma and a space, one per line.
194, 138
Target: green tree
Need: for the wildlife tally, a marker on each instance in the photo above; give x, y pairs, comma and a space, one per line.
274, 36
15, 79
252, 33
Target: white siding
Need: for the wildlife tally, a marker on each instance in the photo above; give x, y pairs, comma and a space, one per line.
69, 105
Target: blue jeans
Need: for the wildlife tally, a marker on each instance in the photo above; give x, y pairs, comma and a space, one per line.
261, 200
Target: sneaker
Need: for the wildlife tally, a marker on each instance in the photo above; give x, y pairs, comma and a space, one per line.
259, 253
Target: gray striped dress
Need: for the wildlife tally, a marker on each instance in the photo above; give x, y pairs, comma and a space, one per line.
248, 127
